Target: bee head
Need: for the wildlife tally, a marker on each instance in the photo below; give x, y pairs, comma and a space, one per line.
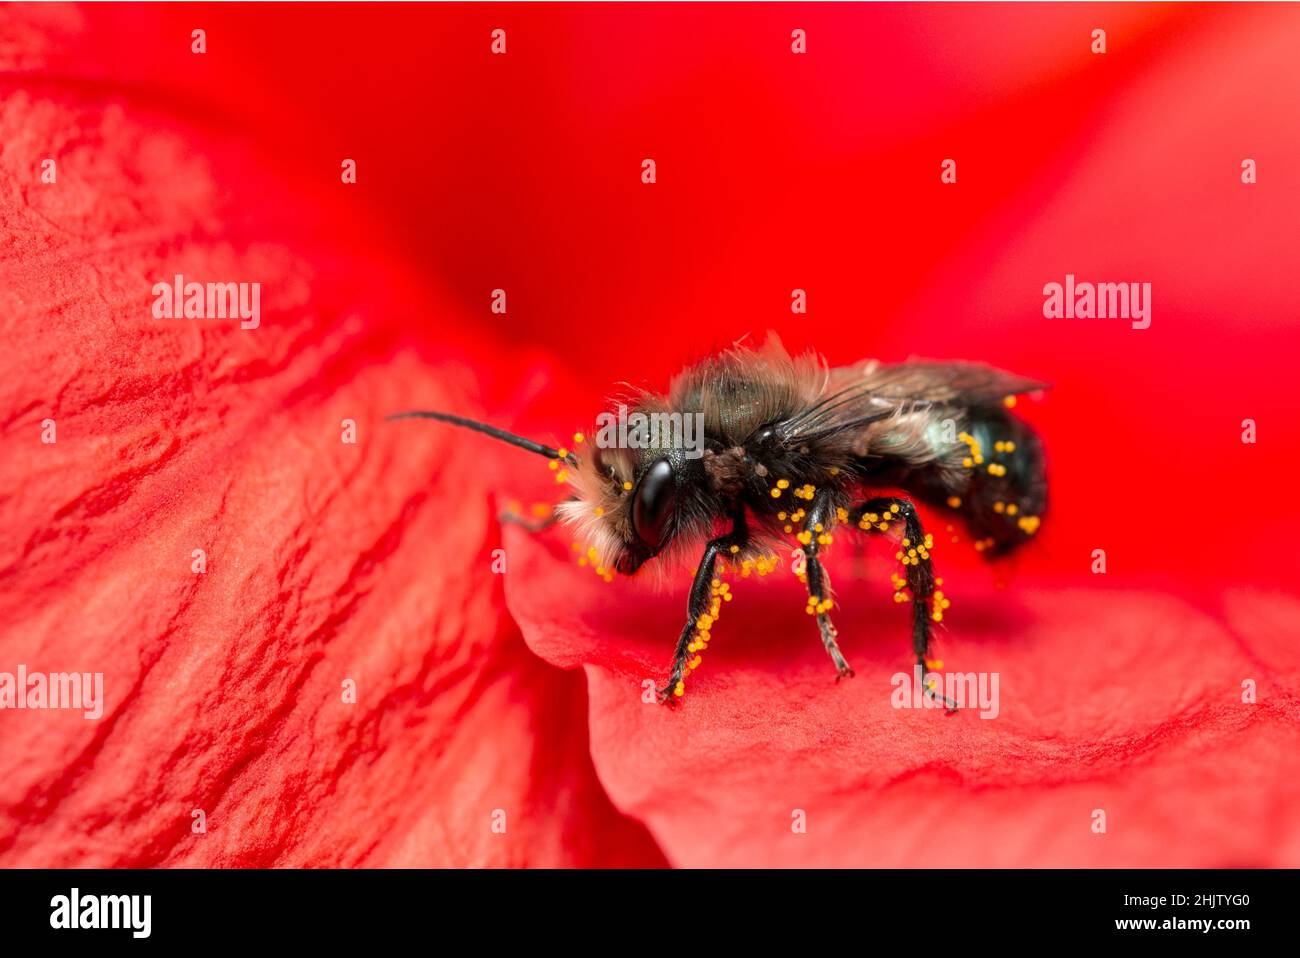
628, 503
625, 504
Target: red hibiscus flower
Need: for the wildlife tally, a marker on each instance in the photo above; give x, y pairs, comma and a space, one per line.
308, 657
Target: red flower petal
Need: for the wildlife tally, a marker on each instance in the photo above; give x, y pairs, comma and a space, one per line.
325, 561
1125, 701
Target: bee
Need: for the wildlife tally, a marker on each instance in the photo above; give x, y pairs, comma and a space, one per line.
789, 447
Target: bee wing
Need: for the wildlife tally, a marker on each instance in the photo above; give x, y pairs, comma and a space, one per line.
861, 395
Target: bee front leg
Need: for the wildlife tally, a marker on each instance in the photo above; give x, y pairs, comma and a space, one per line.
532, 525
697, 607
817, 533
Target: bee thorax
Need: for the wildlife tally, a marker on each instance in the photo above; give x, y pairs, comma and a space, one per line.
727, 470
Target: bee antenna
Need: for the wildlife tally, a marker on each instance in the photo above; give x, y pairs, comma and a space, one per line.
484, 428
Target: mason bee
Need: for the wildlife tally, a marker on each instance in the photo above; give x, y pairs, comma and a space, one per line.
789, 447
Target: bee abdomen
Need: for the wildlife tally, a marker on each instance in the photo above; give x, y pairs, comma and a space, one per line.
1006, 497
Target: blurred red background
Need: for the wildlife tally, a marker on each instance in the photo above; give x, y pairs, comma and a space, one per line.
775, 171
821, 172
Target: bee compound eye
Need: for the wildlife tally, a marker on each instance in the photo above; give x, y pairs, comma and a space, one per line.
652, 505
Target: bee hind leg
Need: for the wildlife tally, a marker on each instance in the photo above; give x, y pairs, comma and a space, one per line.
877, 516
701, 608
816, 533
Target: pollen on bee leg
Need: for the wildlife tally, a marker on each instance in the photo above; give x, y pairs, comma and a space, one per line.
934, 664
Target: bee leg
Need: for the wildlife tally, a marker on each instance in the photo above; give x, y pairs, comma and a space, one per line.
531, 525
697, 608
879, 515
816, 533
